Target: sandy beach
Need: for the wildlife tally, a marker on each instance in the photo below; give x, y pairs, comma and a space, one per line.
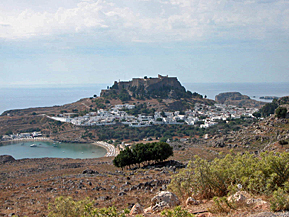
111, 150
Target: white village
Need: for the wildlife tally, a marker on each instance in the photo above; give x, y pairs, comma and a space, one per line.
203, 115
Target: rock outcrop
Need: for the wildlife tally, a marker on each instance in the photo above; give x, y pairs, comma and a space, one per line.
164, 200
244, 197
136, 209
237, 99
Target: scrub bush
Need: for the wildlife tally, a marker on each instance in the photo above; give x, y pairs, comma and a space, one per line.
176, 212
280, 200
64, 207
262, 174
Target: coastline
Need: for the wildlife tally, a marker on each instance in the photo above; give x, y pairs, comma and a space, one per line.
28, 139
111, 150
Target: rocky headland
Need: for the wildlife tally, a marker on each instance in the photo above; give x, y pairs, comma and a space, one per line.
237, 99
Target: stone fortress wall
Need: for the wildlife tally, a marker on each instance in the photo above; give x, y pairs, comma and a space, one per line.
147, 83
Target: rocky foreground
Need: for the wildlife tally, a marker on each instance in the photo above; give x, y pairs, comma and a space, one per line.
27, 186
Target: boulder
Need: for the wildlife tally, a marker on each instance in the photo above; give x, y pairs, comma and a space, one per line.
164, 200
136, 209
244, 197
6, 158
238, 197
148, 211
191, 201
259, 204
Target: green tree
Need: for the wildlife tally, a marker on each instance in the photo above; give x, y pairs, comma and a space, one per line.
257, 114
268, 109
140, 153
124, 158
281, 112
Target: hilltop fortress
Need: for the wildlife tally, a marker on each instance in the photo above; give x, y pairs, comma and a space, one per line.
146, 86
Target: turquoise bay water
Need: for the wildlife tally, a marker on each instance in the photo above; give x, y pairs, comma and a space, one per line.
22, 150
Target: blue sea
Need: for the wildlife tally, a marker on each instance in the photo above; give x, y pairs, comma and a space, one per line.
27, 97
30, 97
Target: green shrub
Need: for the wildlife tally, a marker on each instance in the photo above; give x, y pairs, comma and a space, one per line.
280, 200
258, 175
64, 207
281, 112
221, 205
176, 212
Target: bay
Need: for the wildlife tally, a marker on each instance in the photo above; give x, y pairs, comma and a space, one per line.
22, 149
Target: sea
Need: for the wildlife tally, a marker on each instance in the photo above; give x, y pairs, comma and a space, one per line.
29, 97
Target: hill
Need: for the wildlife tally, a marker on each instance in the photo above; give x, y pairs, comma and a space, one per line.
237, 99
162, 87
29, 185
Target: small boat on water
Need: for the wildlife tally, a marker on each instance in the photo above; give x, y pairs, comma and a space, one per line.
33, 145
22, 143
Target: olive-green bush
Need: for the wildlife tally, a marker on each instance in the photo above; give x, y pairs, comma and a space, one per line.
256, 174
66, 206
176, 212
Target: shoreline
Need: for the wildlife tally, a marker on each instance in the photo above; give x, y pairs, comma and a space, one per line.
111, 150
28, 139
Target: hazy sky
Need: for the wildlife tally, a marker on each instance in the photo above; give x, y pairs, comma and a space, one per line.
75, 42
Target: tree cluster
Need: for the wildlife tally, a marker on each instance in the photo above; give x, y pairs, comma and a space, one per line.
141, 153
267, 109
281, 112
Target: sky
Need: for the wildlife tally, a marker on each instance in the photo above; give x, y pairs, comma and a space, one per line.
88, 41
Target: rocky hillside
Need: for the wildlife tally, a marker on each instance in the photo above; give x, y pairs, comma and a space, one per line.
162, 87
29, 185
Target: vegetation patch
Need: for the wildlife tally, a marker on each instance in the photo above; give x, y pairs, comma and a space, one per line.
258, 175
140, 153
63, 207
